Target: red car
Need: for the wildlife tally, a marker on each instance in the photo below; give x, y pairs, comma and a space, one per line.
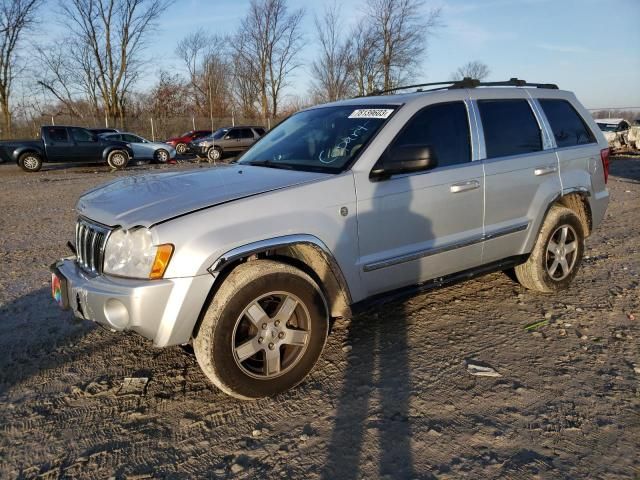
180, 143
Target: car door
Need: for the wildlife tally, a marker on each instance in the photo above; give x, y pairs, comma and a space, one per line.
246, 138
576, 146
416, 227
59, 146
521, 171
140, 149
88, 146
232, 140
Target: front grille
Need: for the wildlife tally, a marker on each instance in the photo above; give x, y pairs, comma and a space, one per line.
91, 240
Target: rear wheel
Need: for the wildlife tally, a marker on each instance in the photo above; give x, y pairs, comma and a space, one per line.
264, 330
30, 162
557, 253
117, 159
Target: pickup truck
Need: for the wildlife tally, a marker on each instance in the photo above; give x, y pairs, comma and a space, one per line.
65, 144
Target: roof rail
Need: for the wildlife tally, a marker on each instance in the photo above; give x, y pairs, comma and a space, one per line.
468, 82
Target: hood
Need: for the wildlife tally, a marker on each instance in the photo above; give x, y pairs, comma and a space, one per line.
149, 199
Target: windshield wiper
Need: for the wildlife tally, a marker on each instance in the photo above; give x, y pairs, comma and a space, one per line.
271, 164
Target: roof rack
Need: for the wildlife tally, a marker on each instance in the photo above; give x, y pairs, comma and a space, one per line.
468, 82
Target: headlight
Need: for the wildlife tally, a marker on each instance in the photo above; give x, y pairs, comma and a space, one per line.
131, 253
202, 144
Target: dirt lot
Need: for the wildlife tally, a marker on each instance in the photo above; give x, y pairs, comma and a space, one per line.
391, 396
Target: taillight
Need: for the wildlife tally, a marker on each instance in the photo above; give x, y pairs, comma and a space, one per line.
604, 156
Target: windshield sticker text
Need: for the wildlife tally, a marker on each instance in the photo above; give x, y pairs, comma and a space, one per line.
371, 113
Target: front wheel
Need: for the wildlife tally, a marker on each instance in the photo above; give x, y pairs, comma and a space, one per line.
117, 159
264, 330
181, 148
557, 253
161, 156
30, 162
214, 154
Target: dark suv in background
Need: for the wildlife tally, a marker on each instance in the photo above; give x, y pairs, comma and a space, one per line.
226, 140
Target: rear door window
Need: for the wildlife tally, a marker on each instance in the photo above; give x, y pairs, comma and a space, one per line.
510, 128
246, 133
259, 131
569, 129
57, 134
445, 128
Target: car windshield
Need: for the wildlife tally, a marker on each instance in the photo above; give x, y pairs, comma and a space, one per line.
608, 127
218, 134
187, 134
322, 139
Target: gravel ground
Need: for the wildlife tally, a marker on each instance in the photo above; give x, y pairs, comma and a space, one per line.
390, 398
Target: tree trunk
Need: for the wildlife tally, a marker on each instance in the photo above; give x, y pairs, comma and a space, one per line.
5, 118
265, 104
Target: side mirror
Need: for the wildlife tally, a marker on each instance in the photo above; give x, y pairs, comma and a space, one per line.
404, 159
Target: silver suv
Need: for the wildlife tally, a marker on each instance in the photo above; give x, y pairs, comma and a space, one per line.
226, 140
338, 205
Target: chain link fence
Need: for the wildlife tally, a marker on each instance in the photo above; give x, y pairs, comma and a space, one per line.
152, 128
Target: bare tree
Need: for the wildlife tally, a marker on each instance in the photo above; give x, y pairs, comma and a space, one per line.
205, 57
403, 28
474, 69
166, 100
269, 38
331, 70
16, 17
245, 85
365, 67
114, 32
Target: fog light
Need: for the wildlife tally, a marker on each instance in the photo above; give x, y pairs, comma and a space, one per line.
116, 313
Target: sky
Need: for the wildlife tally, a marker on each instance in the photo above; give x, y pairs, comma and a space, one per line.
591, 47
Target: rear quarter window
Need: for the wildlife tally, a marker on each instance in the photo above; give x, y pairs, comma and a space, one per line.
569, 129
510, 128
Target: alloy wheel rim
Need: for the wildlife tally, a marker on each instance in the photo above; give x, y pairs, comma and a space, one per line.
117, 159
181, 149
271, 335
562, 252
214, 154
31, 163
163, 155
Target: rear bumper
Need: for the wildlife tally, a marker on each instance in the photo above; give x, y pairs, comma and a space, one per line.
164, 311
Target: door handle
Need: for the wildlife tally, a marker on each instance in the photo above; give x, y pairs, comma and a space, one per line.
547, 169
464, 186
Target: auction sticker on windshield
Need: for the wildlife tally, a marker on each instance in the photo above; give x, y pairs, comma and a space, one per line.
371, 113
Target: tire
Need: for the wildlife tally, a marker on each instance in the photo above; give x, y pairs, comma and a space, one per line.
214, 154
181, 148
30, 162
117, 159
236, 318
161, 156
556, 255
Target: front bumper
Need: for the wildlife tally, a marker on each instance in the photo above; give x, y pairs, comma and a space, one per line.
164, 311
196, 150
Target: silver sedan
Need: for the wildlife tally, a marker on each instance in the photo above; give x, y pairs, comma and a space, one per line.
144, 149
